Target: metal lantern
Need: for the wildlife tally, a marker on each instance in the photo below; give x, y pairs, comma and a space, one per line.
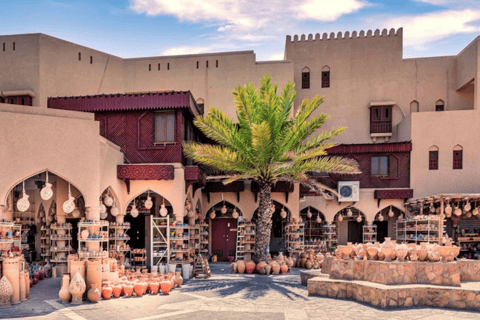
349, 212
359, 219
69, 205
309, 214
148, 203
467, 207
340, 218
234, 213
448, 210
457, 211
319, 220
114, 211
224, 209
212, 215
391, 213
46, 193
283, 213
108, 200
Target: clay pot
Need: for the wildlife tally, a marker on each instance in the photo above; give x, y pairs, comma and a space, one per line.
233, 267
41, 274
138, 289
401, 252
107, 293
250, 267
275, 267
6, 291
268, 269
303, 262
11, 270
316, 265
290, 263
178, 279
241, 266
433, 255
35, 278
154, 286
413, 255
23, 289
127, 290
261, 265
84, 234
94, 294
380, 254
94, 273
422, 254
308, 264
77, 288
116, 291
64, 294
165, 286
283, 268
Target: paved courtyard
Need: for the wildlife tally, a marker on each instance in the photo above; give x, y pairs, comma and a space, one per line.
224, 296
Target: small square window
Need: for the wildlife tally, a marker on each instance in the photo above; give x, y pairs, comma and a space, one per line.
379, 166
165, 127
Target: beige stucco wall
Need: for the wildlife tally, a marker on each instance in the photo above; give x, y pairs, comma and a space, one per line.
66, 143
445, 130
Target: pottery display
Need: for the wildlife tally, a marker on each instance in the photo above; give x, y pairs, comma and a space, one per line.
250, 267
94, 294
275, 267
94, 273
433, 255
138, 289
11, 270
261, 265
268, 269
284, 268
106, 292
422, 253
401, 252
127, 290
165, 286
78, 266
116, 290
154, 286
6, 291
372, 253
77, 288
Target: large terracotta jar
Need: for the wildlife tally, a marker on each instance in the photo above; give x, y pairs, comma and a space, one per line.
106, 292
433, 255
138, 289
41, 274
94, 273
6, 291
116, 290
23, 289
261, 265
290, 263
372, 253
241, 266
154, 286
422, 252
77, 266
178, 279
94, 294
268, 269
388, 249
145, 287
380, 254
284, 268
27, 283
128, 290
250, 267
233, 267
11, 270
275, 267
165, 286
401, 252
77, 288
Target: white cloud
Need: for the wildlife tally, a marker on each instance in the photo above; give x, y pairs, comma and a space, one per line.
426, 28
458, 4
249, 20
276, 56
181, 50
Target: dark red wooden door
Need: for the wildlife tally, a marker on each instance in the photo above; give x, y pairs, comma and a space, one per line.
224, 238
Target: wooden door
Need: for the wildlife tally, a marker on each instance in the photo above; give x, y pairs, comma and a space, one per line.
355, 232
224, 238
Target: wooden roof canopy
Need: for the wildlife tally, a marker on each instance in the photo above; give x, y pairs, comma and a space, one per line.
468, 203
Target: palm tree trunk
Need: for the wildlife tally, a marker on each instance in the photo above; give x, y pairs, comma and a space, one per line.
264, 222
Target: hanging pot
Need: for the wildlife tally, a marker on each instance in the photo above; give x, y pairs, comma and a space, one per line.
340, 218
69, 205
380, 218
163, 210
234, 213
283, 213
224, 209
108, 200
349, 212
319, 220
212, 215
114, 211
148, 203
359, 219
391, 213
309, 214
46, 193
76, 213
23, 204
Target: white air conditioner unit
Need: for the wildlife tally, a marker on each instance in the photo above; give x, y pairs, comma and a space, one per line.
349, 191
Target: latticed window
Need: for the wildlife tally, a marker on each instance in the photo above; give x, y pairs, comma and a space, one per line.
457, 159
306, 80
325, 79
433, 160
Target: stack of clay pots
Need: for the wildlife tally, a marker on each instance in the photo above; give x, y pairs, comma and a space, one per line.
279, 265
15, 283
310, 260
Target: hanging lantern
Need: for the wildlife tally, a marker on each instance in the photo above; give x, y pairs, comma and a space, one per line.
349, 212
148, 203
467, 207
191, 214
23, 204
108, 200
468, 215
69, 205
114, 211
475, 211
380, 217
134, 211
46, 193
163, 209
319, 220
283, 213
234, 213
340, 218
432, 208
391, 213
212, 215
224, 209
188, 205
448, 210
309, 214
272, 207
457, 211
359, 219
76, 213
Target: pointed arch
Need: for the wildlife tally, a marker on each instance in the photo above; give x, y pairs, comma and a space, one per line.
440, 105
147, 191
325, 76
314, 212
414, 106
218, 206
306, 78
355, 213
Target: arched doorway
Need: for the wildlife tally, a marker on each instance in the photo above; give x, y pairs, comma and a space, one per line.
314, 231
45, 229
385, 220
223, 218
277, 236
350, 223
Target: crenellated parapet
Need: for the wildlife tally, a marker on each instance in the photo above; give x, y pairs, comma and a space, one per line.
347, 35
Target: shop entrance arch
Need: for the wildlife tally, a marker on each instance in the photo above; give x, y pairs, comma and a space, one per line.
223, 218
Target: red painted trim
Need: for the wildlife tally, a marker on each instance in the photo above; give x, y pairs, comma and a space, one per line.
371, 148
145, 172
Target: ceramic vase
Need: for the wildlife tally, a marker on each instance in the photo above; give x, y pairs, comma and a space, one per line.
165, 286
178, 279
94, 294
94, 273
275, 267
154, 286
77, 288
401, 252
6, 291
290, 263
433, 255
250, 267
284, 268
241, 266
268, 269
261, 265
77, 266
233, 267
106, 292
116, 290
11, 270
138, 289
422, 254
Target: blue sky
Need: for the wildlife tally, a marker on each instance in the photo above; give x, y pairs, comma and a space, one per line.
138, 28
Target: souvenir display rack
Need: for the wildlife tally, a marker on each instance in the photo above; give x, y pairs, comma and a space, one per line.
179, 243
199, 237
420, 228
159, 244
139, 257
245, 239
330, 233
96, 232
295, 237
6, 234
60, 241
118, 237
369, 233
314, 236
45, 242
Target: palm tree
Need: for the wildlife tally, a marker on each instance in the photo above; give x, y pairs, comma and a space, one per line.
268, 144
